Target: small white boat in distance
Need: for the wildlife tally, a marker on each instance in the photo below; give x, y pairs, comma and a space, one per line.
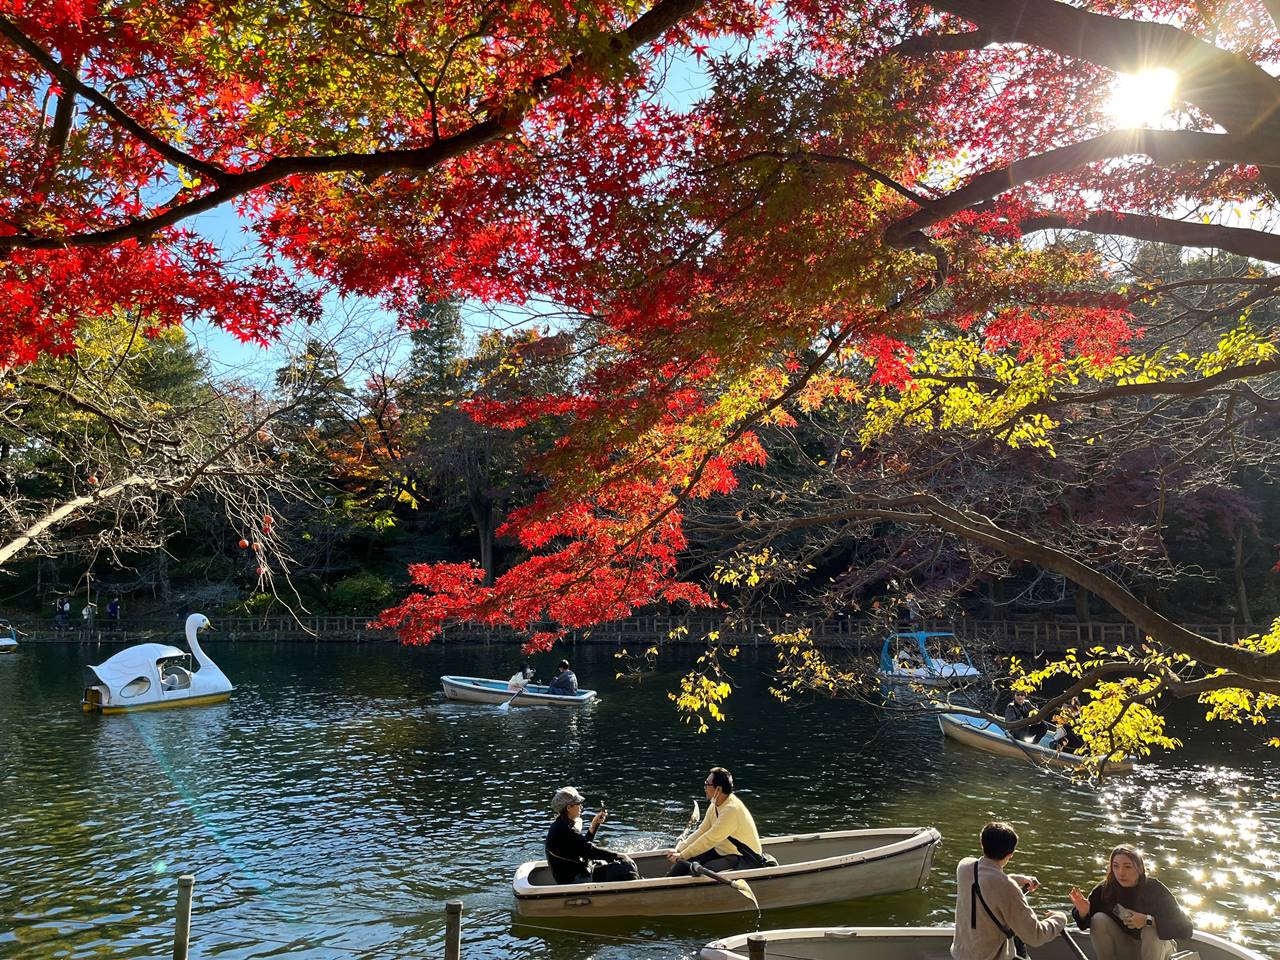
905, 658
922, 943
481, 690
8, 644
153, 676
993, 738
812, 868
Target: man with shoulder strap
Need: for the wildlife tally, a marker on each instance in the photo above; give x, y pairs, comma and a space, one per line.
992, 914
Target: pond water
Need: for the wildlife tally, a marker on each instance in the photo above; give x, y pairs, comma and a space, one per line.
333, 805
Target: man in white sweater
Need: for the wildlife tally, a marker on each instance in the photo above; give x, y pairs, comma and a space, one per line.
991, 905
727, 820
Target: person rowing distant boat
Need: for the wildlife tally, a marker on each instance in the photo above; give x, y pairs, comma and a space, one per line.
1020, 708
521, 679
565, 682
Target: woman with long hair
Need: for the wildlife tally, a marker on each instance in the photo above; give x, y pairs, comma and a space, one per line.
1129, 915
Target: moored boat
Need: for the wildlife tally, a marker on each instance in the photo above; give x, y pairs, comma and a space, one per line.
8, 644
921, 943
482, 690
906, 658
985, 735
155, 676
812, 868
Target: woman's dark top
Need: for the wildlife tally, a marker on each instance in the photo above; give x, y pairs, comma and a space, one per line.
1150, 897
568, 850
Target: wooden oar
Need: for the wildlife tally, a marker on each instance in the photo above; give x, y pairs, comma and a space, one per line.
505, 707
693, 820
740, 885
1075, 947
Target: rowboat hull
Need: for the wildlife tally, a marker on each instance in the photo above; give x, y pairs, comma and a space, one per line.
920, 943
482, 690
813, 868
993, 739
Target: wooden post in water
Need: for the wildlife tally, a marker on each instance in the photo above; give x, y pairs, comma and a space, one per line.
453, 930
182, 928
755, 946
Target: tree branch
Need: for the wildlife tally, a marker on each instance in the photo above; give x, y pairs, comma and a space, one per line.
941, 43
71, 508
1232, 89
72, 84
498, 124
1247, 243
1163, 146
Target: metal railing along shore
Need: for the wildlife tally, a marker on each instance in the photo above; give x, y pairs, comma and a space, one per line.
855, 634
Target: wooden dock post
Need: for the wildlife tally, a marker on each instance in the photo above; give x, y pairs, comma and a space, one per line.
453, 930
755, 946
182, 928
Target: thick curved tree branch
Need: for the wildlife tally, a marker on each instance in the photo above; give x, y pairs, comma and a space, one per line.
497, 124
941, 43
918, 509
1248, 243
1163, 146
1236, 92
70, 508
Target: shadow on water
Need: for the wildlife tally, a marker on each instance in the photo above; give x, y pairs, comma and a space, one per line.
336, 801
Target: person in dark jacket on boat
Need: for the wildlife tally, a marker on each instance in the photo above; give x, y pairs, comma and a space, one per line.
1129, 915
1020, 708
570, 849
564, 682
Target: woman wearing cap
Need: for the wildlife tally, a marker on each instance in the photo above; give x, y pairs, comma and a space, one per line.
570, 849
1129, 915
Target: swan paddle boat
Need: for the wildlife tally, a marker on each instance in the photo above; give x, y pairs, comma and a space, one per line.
812, 868
993, 738
905, 658
154, 676
480, 690
8, 644
922, 943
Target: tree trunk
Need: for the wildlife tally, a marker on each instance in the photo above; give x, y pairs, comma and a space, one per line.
483, 514
1082, 603
1242, 597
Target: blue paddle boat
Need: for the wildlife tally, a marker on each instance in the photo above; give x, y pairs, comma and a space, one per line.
905, 658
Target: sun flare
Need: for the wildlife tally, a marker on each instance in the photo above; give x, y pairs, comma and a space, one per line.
1142, 99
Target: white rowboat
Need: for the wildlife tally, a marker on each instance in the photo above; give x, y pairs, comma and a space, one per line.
921, 943
481, 690
812, 868
991, 737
